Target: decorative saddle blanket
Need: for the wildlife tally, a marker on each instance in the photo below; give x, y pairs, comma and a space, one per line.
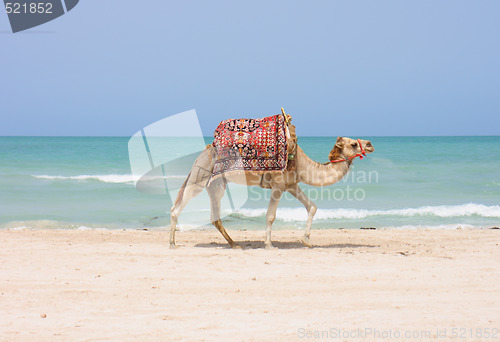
251, 145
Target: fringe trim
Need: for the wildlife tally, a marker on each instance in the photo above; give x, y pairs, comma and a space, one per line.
240, 173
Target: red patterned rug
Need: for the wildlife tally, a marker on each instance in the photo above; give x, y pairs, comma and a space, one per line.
250, 145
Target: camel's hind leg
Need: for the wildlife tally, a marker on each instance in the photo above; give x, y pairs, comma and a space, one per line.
189, 190
216, 191
193, 185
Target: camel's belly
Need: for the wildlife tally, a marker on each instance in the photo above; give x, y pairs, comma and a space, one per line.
263, 180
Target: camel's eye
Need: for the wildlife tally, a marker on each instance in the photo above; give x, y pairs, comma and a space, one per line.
354, 144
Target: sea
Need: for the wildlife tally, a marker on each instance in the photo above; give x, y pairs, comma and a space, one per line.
407, 183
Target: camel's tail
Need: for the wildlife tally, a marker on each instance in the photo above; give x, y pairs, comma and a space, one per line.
180, 194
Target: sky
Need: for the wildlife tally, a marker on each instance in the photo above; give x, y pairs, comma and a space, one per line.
351, 68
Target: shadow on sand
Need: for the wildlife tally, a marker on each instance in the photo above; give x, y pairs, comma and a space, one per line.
281, 245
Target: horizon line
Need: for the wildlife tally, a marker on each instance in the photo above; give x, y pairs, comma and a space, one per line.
209, 136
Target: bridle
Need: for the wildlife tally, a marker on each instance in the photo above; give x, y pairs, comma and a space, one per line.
360, 155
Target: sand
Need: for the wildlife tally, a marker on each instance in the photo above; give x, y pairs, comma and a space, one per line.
71, 285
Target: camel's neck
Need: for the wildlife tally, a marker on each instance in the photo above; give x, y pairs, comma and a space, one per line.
316, 174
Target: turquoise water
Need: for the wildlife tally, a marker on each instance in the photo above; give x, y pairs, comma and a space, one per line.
68, 182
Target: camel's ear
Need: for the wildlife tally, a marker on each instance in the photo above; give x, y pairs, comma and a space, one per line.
340, 142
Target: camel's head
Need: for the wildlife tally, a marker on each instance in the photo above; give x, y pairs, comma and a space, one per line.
347, 148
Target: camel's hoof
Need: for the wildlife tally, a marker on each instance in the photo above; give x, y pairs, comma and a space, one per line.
307, 243
173, 246
236, 246
270, 247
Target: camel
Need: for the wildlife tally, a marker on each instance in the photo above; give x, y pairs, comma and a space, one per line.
305, 171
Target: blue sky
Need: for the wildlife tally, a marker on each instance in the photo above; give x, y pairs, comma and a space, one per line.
355, 68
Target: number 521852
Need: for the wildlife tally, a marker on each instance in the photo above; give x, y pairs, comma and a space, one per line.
32, 8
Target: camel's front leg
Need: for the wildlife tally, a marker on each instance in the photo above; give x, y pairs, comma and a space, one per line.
271, 214
311, 208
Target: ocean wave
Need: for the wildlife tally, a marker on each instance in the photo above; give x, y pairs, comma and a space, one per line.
185, 228
93, 228
300, 214
46, 224
111, 178
36, 224
436, 227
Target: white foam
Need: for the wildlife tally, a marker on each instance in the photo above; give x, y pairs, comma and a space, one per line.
468, 209
92, 228
111, 178
439, 226
300, 214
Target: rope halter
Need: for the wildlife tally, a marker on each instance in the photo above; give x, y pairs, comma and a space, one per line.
360, 155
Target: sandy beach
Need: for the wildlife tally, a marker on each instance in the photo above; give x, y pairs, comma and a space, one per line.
73, 285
